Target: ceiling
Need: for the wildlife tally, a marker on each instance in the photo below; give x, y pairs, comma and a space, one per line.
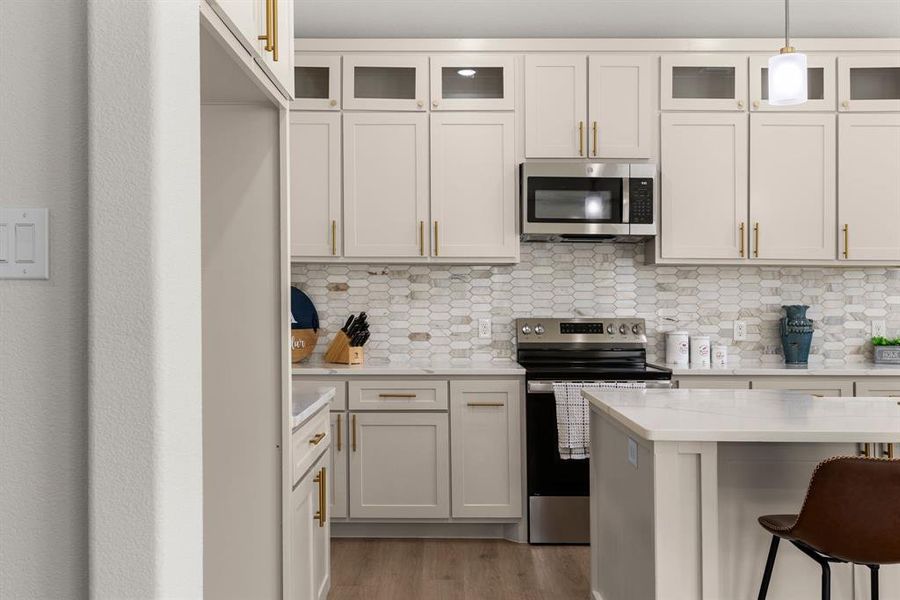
594, 18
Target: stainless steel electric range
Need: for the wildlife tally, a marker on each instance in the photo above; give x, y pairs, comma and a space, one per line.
571, 350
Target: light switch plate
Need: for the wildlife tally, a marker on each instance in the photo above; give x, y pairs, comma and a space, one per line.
24, 243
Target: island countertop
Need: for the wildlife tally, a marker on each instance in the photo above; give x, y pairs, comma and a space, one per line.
412, 367
749, 415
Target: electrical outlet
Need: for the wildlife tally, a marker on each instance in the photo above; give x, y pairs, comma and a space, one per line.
740, 331
632, 452
484, 328
879, 329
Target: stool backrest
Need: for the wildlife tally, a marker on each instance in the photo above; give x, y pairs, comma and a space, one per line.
852, 510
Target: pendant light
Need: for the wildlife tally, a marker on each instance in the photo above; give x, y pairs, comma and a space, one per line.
787, 70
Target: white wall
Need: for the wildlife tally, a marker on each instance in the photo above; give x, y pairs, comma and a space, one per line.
43, 324
594, 18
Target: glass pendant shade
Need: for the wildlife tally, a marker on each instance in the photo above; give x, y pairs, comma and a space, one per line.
787, 79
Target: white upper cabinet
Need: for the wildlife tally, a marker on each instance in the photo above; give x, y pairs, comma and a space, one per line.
703, 167
869, 187
472, 82
385, 184
315, 184
245, 19
473, 185
820, 84
385, 82
619, 105
555, 105
792, 186
276, 23
317, 82
399, 465
703, 82
869, 83
486, 444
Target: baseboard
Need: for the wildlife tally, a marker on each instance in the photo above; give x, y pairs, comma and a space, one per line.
492, 531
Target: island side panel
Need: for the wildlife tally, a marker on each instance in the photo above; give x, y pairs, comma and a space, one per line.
771, 478
622, 563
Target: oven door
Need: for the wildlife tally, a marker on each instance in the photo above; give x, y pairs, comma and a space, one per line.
575, 198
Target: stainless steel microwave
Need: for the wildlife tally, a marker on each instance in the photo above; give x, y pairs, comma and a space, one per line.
588, 202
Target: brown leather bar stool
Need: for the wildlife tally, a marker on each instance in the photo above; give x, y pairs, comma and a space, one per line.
851, 515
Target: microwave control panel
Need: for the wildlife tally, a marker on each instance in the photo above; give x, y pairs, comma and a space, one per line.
640, 192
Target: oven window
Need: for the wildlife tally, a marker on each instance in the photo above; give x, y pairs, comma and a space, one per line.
575, 199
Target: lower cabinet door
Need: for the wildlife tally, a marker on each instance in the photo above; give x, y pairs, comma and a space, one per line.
310, 553
304, 498
486, 466
399, 465
877, 386
337, 473
321, 533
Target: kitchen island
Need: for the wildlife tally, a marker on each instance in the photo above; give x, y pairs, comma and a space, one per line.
679, 477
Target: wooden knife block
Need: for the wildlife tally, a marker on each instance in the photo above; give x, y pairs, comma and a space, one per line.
341, 352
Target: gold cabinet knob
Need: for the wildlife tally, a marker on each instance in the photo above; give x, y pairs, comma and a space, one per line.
845, 104
756, 104
332, 102
740, 103
435, 103
419, 103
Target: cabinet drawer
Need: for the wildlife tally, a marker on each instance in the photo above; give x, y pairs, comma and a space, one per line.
314, 385
398, 395
309, 441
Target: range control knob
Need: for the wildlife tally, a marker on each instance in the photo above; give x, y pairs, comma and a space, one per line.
635, 329
526, 329
538, 329
610, 329
623, 329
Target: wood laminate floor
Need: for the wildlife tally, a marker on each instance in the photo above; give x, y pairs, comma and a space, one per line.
397, 569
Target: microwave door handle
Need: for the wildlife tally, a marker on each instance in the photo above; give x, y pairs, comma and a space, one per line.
626, 200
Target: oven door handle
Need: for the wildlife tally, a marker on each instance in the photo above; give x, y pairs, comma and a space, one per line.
546, 387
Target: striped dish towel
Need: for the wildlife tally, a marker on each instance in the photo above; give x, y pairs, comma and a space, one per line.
573, 415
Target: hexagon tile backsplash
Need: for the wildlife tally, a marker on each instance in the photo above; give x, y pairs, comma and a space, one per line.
433, 310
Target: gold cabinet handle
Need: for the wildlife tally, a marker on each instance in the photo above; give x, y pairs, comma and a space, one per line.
322, 480
889, 450
396, 395
867, 450
846, 240
316, 439
741, 228
485, 404
339, 432
275, 30
333, 237
756, 240
421, 238
594, 128
268, 36
353, 433
580, 138
436, 245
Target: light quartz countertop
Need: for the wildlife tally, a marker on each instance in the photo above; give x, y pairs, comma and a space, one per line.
306, 404
749, 369
413, 367
749, 416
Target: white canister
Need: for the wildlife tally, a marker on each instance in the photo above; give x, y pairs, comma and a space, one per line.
719, 357
700, 351
677, 348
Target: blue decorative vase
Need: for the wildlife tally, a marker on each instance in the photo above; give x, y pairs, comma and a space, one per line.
796, 335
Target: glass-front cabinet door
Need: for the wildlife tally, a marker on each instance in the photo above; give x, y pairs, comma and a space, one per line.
385, 82
869, 83
820, 85
703, 82
317, 82
472, 82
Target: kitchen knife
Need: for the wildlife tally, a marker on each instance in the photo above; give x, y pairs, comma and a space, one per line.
346, 327
364, 337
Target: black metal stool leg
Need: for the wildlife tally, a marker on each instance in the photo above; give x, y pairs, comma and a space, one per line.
873, 569
770, 563
826, 580
823, 562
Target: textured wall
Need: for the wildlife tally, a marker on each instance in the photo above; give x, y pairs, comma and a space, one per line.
434, 310
43, 324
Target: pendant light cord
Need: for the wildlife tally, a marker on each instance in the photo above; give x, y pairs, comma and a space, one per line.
787, 23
